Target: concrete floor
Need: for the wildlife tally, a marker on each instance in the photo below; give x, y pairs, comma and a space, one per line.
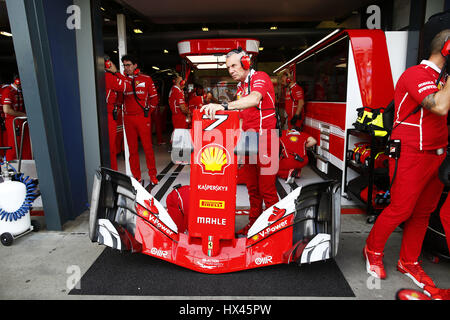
46, 264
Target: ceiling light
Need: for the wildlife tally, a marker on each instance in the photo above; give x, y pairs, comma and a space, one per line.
115, 51
273, 28
207, 59
137, 31
6, 34
166, 51
103, 9
261, 48
205, 29
204, 66
156, 68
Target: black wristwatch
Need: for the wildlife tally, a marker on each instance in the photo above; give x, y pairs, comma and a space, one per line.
225, 105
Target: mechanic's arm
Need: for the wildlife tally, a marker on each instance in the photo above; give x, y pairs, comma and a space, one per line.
184, 108
300, 105
438, 102
7, 109
310, 142
120, 85
153, 98
252, 100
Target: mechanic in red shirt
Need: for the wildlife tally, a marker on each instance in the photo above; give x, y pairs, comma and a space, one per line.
13, 106
256, 102
416, 190
3, 136
294, 102
177, 104
140, 100
113, 85
293, 153
196, 99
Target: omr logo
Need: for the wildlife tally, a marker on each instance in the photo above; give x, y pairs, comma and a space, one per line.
213, 159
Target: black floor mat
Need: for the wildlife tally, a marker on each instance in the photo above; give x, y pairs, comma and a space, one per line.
125, 274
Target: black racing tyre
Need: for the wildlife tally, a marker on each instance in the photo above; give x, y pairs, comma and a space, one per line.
6, 239
36, 225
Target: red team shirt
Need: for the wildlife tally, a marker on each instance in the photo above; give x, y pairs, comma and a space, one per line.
423, 130
113, 85
262, 117
293, 95
145, 92
2, 88
11, 95
176, 99
195, 102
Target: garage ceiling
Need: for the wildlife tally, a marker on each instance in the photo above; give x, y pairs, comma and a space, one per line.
299, 24
206, 11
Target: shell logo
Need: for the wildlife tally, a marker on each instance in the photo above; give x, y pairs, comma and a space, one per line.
213, 159
293, 139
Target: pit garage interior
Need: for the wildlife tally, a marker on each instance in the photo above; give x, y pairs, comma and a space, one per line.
58, 49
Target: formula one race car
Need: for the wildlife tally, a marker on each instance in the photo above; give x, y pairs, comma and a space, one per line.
303, 227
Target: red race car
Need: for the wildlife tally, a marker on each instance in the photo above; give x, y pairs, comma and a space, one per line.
303, 227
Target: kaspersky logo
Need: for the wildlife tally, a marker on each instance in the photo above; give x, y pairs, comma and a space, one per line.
213, 159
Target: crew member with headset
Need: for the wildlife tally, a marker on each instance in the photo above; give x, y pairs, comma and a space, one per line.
113, 86
140, 100
294, 102
13, 106
3, 136
256, 102
419, 140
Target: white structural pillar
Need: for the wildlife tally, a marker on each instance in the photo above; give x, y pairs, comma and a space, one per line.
122, 37
122, 44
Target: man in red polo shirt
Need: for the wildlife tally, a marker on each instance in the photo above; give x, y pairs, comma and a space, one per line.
13, 106
178, 106
140, 100
256, 102
416, 189
113, 85
3, 136
294, 102
196, 99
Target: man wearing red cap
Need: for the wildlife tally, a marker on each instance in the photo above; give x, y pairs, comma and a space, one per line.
294, 102
113, 85
178, 106
3, 136
13, 106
